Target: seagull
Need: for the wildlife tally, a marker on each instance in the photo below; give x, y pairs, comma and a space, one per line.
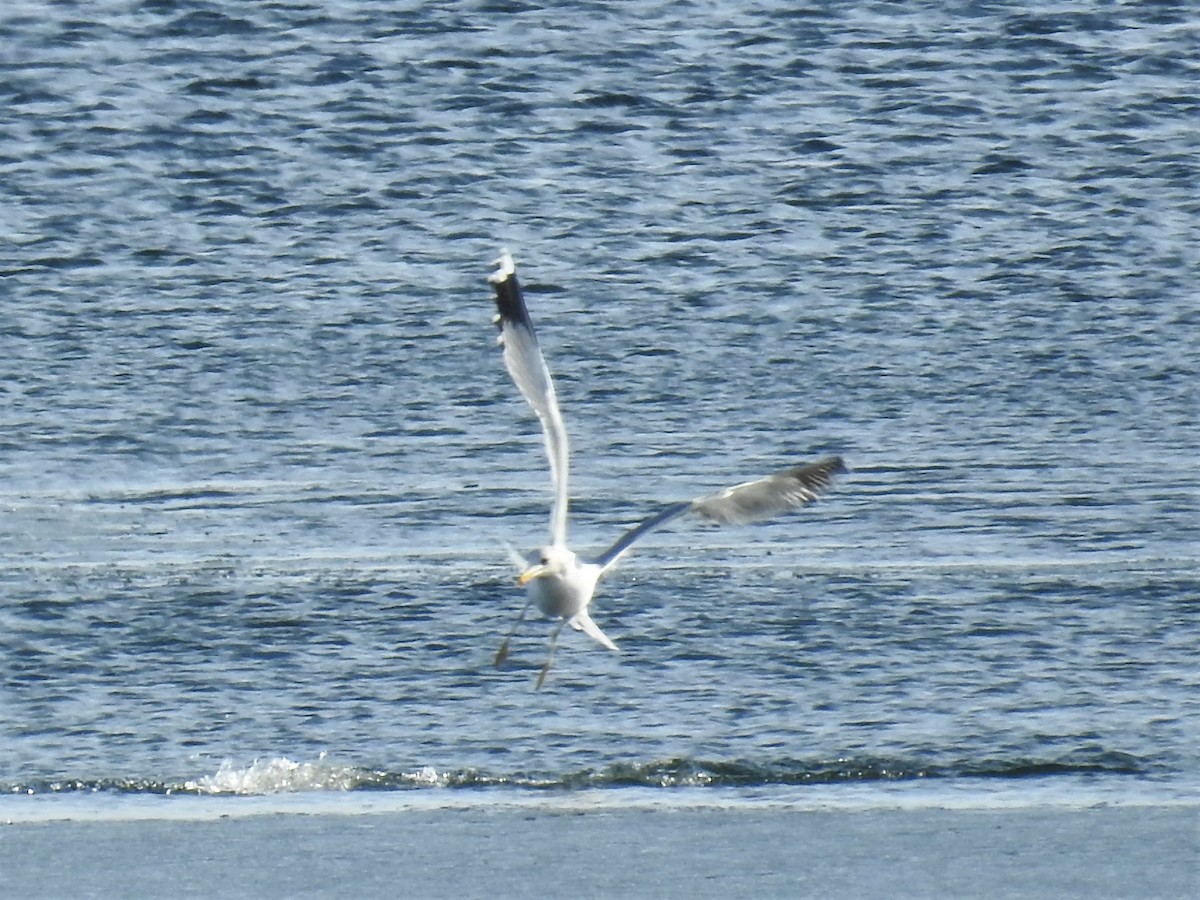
554, 577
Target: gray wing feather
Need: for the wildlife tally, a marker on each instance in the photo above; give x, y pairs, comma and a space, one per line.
770, 496
741, 504
609, 557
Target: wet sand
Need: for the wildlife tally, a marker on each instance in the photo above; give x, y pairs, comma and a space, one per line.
1132, 851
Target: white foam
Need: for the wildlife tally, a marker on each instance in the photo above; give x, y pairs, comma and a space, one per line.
275, 776
281, 775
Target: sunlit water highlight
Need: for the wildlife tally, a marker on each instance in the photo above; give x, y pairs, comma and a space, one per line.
259, 451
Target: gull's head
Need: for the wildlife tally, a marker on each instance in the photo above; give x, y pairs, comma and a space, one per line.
552, 560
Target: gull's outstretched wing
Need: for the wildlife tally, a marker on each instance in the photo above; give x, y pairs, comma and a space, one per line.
770, 496
527, 366
740, 504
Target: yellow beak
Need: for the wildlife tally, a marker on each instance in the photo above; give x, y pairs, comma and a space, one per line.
529, 574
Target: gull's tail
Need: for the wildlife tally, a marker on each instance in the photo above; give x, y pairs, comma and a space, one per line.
581, 621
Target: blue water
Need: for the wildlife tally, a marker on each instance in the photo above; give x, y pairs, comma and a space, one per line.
258, 450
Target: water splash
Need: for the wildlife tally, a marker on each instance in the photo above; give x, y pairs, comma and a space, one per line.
273, 776
283, 775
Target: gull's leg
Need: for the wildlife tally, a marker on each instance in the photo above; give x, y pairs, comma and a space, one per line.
502, 653
549, 659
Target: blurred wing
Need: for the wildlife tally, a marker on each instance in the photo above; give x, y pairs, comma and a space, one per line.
741, 504
770, 496
520, 563
526, 365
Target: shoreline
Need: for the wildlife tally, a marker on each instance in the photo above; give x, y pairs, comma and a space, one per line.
1126, 850
1068, 794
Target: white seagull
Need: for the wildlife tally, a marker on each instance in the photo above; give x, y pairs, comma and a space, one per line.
554, 577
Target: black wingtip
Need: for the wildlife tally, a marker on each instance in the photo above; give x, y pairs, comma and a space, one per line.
509, 300
818, 476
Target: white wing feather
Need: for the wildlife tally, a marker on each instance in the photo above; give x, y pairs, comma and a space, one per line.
525, 363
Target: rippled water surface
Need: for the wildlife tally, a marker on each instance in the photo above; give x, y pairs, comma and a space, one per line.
259, 451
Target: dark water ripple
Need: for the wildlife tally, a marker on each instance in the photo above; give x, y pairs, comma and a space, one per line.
257, 449
283, 776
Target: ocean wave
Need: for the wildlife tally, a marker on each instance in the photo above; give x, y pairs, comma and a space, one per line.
281, 775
